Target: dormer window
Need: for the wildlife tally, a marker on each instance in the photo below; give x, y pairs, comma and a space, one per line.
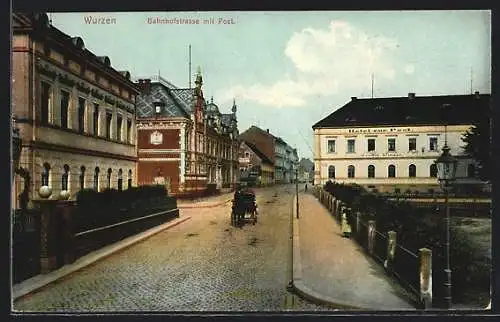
158, 104
379, 107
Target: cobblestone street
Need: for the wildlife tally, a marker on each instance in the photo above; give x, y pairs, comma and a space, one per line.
203, 264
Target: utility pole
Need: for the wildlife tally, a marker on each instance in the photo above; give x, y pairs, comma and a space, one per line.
190, 66
297, 190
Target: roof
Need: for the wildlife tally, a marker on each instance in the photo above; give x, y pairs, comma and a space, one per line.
226, 119
261, 155
185, 97
411, 110
172, 107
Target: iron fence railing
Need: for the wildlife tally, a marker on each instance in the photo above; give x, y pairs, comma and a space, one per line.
406, 268
380, 247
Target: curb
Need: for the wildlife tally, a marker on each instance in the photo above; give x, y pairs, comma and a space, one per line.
188, 206
304, 291
40, 281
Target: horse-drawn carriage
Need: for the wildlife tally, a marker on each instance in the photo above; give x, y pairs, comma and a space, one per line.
244, 207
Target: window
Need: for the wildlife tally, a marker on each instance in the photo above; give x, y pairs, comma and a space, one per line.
391, 171
371, 145
129, 183
64, 109
120, 180
129, 131
65, 177
247, 155
433, 170
471, 171
331, 172
397, 191
96, 179
331, 146
371, 171
81, 115
350, 171
412, 144
45, 103
109, 117
433, 142
96, 119
391, 144
119, 124
109, 178
82, 177
412, 171
351, 146
45, 174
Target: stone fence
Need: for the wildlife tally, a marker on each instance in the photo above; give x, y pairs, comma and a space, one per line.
413, 271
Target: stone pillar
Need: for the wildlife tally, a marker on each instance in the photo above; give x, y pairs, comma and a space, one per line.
371, 236
425, 277
391, 251
48, 260
66, 212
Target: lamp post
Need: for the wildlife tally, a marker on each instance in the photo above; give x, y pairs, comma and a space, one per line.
447, 166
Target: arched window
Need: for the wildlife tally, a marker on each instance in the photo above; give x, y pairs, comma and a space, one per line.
371, 171
433, 170
331, 172
351, 171
96, 179
82, 177
391, 171
45, 174
129, 183
412, 171
120, 180
109, 177
471, 171
65, 178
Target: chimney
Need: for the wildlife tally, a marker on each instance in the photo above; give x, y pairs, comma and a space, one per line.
476, 94
411, 96
354, 98
147, 85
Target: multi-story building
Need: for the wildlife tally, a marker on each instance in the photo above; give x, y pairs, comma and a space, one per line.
183, 142
282, 163
263, 141
75, 112
255, 166
390, 144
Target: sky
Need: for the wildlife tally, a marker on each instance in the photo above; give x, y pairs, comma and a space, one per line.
288, 70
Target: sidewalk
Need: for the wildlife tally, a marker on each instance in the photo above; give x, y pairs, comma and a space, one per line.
333, 270
39, 281
212, 201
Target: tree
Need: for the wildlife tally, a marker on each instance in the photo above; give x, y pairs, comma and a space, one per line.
478, 145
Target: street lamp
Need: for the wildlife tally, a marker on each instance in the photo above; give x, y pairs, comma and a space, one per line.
446, 166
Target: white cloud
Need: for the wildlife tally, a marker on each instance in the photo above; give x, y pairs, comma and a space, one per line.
338, 58
409, 69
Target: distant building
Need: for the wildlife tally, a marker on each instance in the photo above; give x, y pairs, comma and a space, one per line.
390, 144
306, 170
183, 142
255, 167
75, 112
262, 139
282, 155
